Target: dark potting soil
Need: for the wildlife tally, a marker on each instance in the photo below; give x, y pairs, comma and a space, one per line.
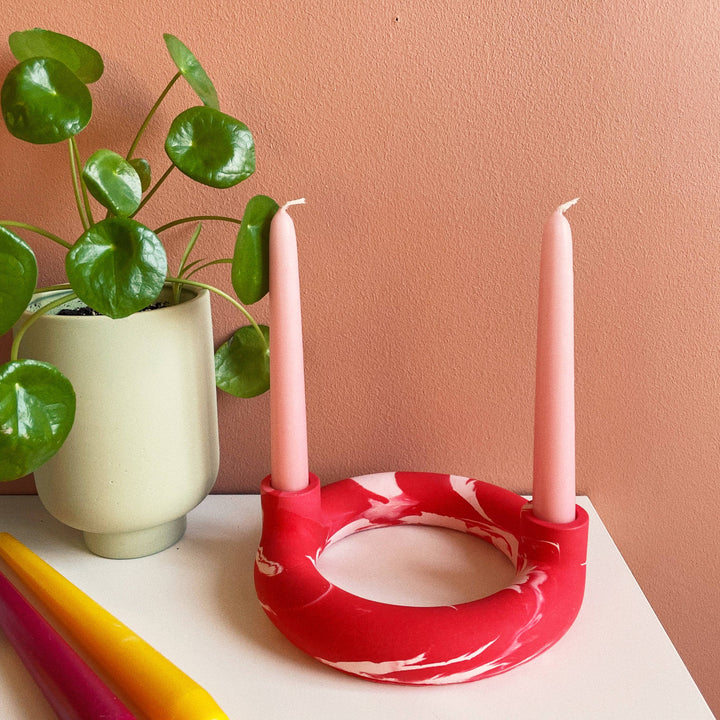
85, 310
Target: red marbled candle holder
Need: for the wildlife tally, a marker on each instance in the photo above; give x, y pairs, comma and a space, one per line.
407, 644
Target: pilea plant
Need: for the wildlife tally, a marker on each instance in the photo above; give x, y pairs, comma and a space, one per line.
117, 266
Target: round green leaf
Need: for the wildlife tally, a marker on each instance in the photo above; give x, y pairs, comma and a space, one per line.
37, 409
192, 71
117, 267
142, 168
18, 275
85, 62
113, 182
210, 147
251, 263
44, 102
242, 364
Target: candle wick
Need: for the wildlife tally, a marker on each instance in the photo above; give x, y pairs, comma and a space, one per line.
300, 201
567, 205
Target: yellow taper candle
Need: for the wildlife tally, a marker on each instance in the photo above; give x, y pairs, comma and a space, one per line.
147, 678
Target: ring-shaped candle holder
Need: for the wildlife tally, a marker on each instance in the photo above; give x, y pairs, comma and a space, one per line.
408, 644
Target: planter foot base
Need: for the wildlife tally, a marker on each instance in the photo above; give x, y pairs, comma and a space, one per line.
125, 545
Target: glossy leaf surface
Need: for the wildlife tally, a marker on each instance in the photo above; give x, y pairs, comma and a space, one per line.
37, 409
44, 102
84, 61
192, 71
210, 147
113, 182
242, 364
251, 260
117, 267
142, 168
18, 276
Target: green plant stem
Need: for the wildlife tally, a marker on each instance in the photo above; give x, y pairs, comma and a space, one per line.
53, 288
83, 186
39, 231
33, 319
190, 265
76, 187
153, 190
196, 218
146, 122
188, 250
217, 291
219, 261
183, 260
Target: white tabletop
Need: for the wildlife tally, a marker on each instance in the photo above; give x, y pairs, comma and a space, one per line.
195, 603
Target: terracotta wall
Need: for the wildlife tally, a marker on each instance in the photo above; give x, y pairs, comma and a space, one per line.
431, 140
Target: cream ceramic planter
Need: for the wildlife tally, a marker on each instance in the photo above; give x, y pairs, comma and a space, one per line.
143, 450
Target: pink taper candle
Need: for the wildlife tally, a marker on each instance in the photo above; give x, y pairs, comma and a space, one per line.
159, 689
73, 690
288, 419
554, 457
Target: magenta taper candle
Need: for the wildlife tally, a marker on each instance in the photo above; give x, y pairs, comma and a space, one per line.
288, 419
71, 687
554, 451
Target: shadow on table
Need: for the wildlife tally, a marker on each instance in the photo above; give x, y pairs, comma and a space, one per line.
234, 558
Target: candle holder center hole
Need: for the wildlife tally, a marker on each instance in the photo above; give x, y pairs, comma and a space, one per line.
416, 565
